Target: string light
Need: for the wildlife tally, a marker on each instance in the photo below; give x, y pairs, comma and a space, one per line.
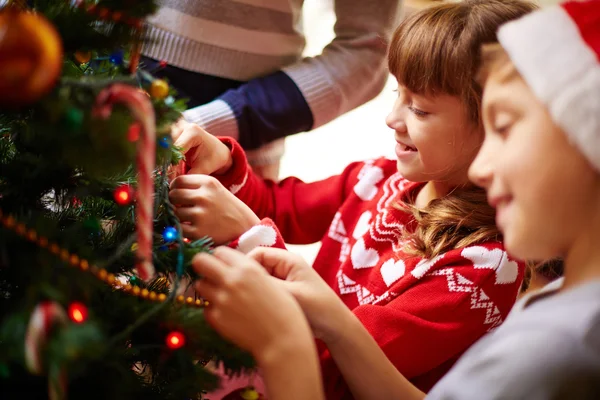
175, 340
170, 234
133, 133
124, 195
8, 221
73, 119
78, 312
116, 57
164, 142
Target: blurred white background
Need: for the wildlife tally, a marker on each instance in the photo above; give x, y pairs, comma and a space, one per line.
357, 135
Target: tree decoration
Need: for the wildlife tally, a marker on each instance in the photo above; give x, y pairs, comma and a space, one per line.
159, 89
133, 133
170, 234
78, 312
66, 142
105, 14
143, 112
45, 317
116, 57
165, 142
82, 264
83, 57
175, 340
73, 119
31, 57
124, 195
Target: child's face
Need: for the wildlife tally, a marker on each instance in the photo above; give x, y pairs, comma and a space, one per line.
436, 141
543, 189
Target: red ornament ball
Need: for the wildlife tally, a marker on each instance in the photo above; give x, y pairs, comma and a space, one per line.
124, 195
78, 312
175, 340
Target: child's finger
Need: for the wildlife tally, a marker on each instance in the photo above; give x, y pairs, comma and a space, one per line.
177, 128
186, 214
277, 262
189, 138
184, 182
189, 231
210, 267
175, 170
182, 197
193, 181
230, 256
205, 290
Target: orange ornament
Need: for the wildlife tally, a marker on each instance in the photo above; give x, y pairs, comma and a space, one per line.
83, 57
31, 57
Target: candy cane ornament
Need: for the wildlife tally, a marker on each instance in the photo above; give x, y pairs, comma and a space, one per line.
44, 318
140, 106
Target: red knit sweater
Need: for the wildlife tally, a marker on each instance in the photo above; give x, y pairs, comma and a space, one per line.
423, 313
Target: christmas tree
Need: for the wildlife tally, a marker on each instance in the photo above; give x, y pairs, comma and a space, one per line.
92, 260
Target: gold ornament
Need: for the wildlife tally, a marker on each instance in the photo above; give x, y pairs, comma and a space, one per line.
159, 89
31, 57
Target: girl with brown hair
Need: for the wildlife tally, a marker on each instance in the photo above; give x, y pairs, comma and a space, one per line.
407, 244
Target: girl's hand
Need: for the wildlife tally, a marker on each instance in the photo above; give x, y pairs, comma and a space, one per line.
206, 208
204, 153
249, 307
326, 313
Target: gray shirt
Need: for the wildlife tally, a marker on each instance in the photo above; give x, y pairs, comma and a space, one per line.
548, 348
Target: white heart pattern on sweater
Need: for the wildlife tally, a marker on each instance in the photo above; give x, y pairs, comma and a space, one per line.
423, 267
337, 230
363, 257
506, 270
392, 270
363, 225
369, 176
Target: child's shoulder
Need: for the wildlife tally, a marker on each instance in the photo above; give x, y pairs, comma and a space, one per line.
543, 352
579, 304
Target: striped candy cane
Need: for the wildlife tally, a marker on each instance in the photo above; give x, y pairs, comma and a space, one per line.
140, 106
44, 318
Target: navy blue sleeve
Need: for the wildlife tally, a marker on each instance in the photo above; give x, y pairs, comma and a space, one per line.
268, 108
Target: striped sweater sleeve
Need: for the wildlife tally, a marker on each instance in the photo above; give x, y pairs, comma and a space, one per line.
350, 71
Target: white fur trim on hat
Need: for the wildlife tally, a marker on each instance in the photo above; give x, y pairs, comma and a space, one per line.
548, 50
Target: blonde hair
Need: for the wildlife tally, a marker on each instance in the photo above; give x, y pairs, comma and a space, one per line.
437, 51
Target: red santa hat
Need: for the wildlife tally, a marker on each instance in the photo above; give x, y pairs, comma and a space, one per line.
557, 51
